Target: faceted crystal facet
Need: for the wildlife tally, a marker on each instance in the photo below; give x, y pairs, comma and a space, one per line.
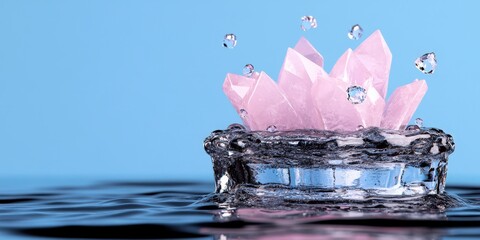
236, 88
427, 63
356, 94
355, 33
402, 104
305, 48
377, 59
230, 40
350, 69
329, 98
248, 70
267, 105
296, 77
308, 22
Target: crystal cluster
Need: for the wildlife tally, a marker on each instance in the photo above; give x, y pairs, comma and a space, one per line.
353, 94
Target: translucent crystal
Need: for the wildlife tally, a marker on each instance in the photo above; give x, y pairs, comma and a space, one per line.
356, 94
356, 32
248, 70
308, 22
230, 40
272, 128
419, 122
427, 63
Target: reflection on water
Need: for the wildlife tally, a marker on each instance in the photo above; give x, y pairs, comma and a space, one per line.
188, 210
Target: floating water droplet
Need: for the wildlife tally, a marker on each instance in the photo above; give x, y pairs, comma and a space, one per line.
243, 113
308, 22
360, 127
230, 40
356, 94
419, 122
427, 63
272, 128
248, 70
356, 32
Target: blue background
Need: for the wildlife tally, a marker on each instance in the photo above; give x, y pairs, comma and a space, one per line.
129, 89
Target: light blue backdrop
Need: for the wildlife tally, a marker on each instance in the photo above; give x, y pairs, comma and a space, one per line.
131, 88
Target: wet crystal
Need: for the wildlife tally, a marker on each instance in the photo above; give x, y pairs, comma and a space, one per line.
230, 40
306, 97
236, 87
402, 104
356, 32
427, 63
248, 70
296, 78
266, 103
308, 22
375, 55
419, 122
272, 128
336, 112
356, 94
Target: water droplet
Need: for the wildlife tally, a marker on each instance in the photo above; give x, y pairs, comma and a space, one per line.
230, 40
248, 70
360, 127
356, 94
308, 22
236, 127
243, 113
221, 145
272, 128
412, 128
356, 32
427, 63
419, 122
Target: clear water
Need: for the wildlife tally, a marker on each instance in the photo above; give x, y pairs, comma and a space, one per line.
66, 209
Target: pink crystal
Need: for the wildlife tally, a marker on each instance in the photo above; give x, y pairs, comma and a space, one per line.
306, 97
236, 88
267, 105
305, 48
403, 103
330, 99
295, 79
350, 69
377, 58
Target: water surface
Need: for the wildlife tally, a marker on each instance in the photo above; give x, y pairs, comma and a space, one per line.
188, 210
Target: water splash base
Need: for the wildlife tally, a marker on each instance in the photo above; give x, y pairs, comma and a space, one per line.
315, 165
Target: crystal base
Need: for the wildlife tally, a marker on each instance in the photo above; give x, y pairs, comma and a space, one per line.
313, 165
